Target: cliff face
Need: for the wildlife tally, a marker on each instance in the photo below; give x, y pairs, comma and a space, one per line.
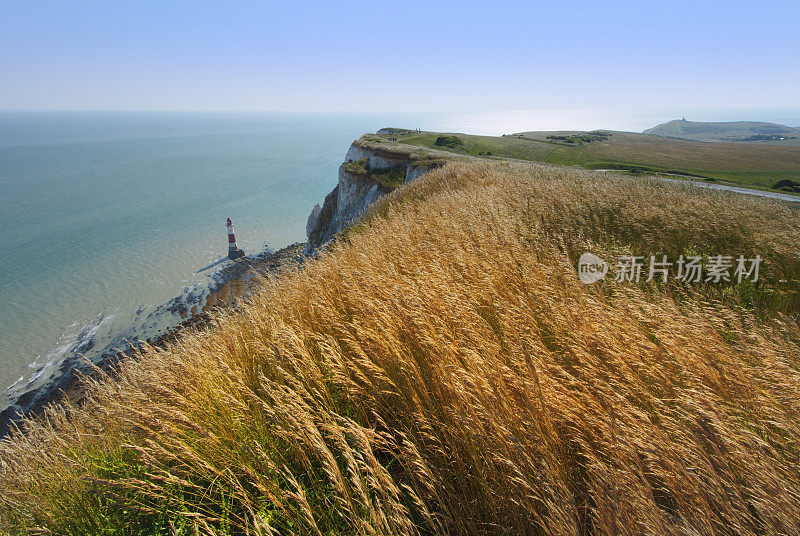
361, 183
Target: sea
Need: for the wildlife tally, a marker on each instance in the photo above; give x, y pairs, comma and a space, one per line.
107, 216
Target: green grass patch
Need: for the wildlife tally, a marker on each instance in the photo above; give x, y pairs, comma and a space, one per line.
389, 178
358, 167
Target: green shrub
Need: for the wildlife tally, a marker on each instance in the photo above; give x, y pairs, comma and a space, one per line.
358, 167
389, 178
787, 185
454, 142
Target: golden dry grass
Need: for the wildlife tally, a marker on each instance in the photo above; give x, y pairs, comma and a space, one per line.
442, 371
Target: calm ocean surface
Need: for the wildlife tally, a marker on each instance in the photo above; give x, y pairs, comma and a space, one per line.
105, 216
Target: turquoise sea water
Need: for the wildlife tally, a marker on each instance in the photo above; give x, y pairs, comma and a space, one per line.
106, 215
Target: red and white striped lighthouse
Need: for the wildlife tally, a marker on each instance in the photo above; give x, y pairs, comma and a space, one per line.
233, 250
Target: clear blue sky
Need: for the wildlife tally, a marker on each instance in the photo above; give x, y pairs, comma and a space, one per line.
399, 56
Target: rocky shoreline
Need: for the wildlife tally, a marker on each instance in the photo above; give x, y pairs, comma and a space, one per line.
363, 179
231, 283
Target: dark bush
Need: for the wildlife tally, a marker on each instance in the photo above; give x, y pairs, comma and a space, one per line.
454, 142
787, 185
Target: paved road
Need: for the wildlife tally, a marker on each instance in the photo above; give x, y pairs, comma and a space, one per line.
712, 186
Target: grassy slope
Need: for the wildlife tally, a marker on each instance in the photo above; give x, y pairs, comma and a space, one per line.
443, 371
738, 163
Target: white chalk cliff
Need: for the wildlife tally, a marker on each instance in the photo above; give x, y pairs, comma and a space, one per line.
355, 193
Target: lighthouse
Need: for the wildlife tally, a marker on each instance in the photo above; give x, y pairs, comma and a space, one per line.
233, 250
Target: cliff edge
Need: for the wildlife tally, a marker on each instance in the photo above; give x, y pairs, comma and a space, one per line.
374, 166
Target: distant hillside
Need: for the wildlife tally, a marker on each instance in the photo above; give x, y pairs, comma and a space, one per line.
745, 164
724, 131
